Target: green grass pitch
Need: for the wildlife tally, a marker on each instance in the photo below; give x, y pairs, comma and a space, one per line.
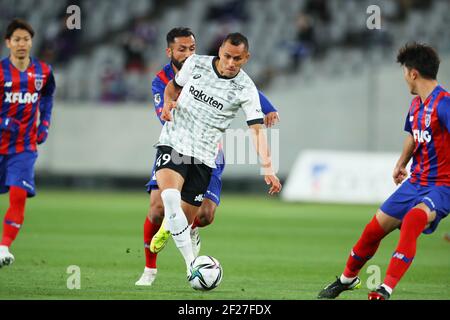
268, 249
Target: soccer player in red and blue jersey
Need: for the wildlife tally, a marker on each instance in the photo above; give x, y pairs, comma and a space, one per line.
423, 200
181, 45
26, 91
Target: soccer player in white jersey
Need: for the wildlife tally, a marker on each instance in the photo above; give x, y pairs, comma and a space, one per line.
181, 44
210, 92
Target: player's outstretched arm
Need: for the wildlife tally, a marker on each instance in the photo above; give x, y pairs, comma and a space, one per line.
262, 149
400, 172
170, 100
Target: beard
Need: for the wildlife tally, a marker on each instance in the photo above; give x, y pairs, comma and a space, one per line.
176, 63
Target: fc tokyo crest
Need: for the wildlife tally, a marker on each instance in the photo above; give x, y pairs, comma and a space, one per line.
38, 84
157, 98
427, 120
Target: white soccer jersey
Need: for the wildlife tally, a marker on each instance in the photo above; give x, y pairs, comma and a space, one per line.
207, 105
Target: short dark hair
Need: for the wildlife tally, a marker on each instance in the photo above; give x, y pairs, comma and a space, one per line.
421, 57
178, 32
18, 24
236, 39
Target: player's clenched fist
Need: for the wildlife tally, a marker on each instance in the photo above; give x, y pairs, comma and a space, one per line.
399, 174
166, 111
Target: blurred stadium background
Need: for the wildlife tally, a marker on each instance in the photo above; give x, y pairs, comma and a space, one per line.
335, 83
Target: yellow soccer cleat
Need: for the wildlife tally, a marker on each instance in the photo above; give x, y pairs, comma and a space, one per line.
160, 239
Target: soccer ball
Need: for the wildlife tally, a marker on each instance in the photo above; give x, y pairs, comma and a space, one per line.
205, 273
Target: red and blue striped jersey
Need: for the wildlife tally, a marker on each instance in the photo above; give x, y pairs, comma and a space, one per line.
159, 84
23, 96
167, 73
429, 124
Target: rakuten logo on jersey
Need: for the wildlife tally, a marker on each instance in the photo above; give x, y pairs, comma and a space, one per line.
20, 97
203, 97
421, 136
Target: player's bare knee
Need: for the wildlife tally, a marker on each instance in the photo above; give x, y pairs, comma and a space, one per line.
387, 223
424, 207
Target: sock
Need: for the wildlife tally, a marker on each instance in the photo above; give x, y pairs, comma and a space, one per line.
165, 225
412, 226
364, 249
346, 280
150, 230
387, 288
150, 270
14, 216
177, 223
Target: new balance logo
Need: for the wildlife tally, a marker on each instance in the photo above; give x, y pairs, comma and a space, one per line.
401, 256
398, 255
203, 97
199, 198
20, 97
8, 84
13, 224
354, 255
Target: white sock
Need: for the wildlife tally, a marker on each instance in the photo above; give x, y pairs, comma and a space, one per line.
346, 280
165, 224
177, 223
388, 289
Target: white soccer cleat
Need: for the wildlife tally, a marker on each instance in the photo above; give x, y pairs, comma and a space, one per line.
147, 278
196, 242
6, 258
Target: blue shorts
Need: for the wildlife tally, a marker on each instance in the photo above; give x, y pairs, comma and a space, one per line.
18, 170
408, 195
152, 184
215, 184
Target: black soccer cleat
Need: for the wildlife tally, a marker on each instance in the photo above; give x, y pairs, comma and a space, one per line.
334, 289
379, 294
